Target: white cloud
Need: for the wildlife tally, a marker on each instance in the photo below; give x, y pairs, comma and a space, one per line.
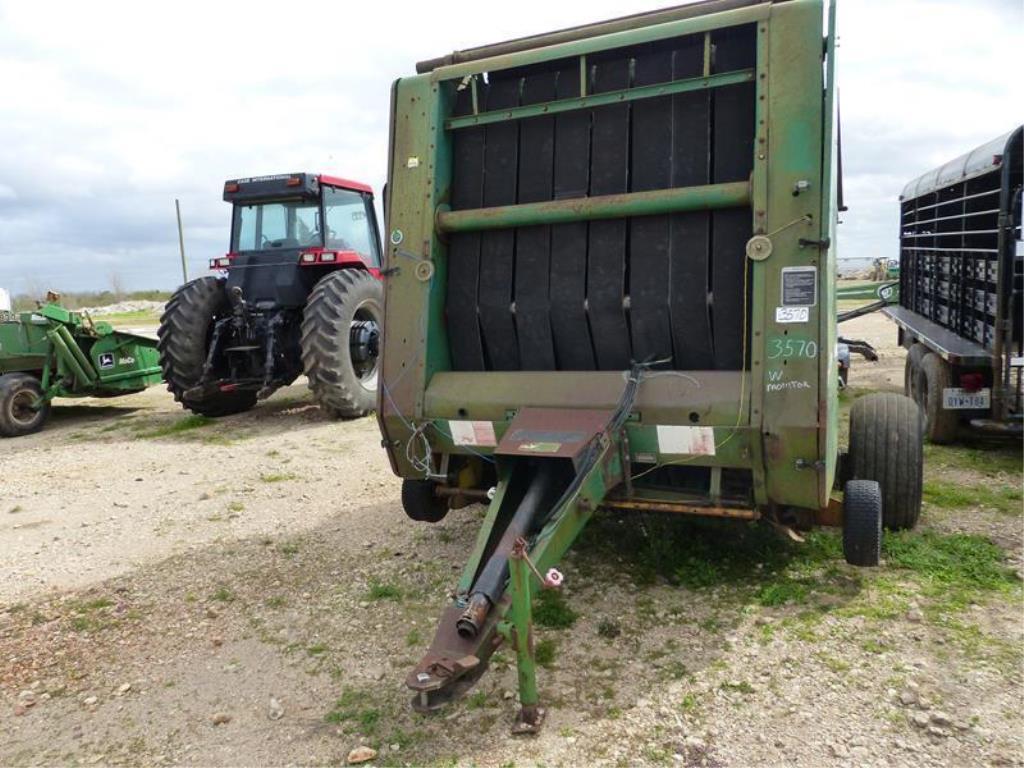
110, 110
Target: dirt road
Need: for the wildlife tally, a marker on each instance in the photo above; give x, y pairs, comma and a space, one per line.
248, 591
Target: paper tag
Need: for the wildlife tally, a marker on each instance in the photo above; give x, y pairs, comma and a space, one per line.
696, 441
479, 433
792, 314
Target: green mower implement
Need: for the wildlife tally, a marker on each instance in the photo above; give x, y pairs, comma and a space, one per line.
54, 352
610, 284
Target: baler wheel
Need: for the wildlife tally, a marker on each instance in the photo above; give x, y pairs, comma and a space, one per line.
935, 375
885, 446
340, 342
910, 371
18, 391
421, 503
862, 523
184, 335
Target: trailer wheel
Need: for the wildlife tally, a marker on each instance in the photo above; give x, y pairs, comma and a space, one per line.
18, 391
862, 523
421, 503
184, 335
885, 446
341, 340
911, 368
935, 375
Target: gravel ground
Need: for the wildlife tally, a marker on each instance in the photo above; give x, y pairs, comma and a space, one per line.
249, 592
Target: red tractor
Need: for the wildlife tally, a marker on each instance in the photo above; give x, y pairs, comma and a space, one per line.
298, 292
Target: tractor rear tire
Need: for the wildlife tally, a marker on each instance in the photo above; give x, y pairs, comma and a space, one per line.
885, 446
911, 368
421, 503
342, 374
17, 393
184, 337
862, 523
935, 375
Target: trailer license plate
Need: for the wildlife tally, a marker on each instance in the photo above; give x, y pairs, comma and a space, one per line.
956, 399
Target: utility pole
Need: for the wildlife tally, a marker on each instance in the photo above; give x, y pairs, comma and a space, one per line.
181, 243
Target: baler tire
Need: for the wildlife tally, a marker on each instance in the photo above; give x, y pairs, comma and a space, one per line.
421, 503
336, 301
862, 523
911, 368
183, 337
15, 389
940, 425
886, 446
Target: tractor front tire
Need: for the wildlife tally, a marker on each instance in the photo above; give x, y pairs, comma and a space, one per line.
18, 391
184, 335
885, 446
343, 312
421, 503
935, 375
862, 523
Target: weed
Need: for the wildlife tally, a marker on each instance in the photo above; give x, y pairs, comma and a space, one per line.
413, 638
289, 549
740, 686
690, 703
277, 601
316, 649
609, 628
15, 509
544, 652
551, 610
276, 477
347, 709
477, 700
184, 424
383, 591
223, 595
236, 506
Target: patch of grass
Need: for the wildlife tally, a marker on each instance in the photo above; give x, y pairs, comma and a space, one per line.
289, 549
349, 709
236, 506
317, 649
1002, 498
184, 424
545, 651
958, 559
380, 590
223, 595
989, 458
741, 686
15, 509
551, 610
413, 638
690, 703
476, 700
276, 477
277, 601
783, 591
609, 629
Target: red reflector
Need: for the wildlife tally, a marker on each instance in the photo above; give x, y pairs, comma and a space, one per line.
228, 387
230, 187
293, 182
972, 382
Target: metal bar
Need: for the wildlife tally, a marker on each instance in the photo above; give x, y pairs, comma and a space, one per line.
624, 23
699, 198
77, 352
958, 216
954, 200
646, 505
66, 357
600, 99
131, 374
951, 250
493, 59
523, 627
181, 242
954, 234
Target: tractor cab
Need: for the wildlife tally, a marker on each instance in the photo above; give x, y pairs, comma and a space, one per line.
309, 222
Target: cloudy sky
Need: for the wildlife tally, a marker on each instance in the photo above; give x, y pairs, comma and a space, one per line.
109, 111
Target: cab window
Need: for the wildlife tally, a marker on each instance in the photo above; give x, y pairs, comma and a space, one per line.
350, 225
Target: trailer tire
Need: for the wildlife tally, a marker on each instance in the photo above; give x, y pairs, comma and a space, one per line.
184, 334
421, 503
885, 446
17, 392
911, 368
342, 371
862, 523
935, 375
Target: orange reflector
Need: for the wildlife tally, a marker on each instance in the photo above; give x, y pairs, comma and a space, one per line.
230, 187
294, 181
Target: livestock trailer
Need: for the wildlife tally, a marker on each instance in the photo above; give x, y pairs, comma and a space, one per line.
960, 308
610, 283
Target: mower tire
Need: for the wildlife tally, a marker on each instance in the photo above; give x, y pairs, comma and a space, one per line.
862, 523
184, 336
18, 392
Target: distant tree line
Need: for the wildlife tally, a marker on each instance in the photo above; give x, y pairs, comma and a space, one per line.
79, 299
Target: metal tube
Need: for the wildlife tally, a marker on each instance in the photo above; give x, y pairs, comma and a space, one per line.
699, 198
76, 350
181, 242
65, 355
521, 620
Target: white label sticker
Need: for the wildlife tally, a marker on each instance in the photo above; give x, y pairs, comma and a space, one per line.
412, 162
792, 314
696, 441
479, 433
